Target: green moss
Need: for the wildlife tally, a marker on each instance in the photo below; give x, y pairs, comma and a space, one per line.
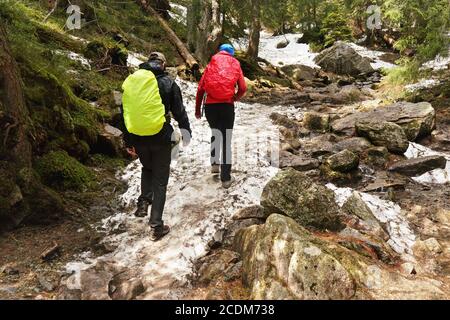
59, 170
108, 163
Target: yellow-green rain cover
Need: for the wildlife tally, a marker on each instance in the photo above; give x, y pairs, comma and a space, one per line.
143, 110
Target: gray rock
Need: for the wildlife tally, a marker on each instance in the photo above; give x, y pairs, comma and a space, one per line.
418, 166
289, 160
282, 260
377, 156
342, 59
344, 161
253, 212
300, 72
357, 145
294, 194
416, 119
128, 290
110, 141
385, 134
282, 44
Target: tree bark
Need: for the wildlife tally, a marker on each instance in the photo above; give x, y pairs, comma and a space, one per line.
14, 145
205, 28
209, 33
255, 30
181, 47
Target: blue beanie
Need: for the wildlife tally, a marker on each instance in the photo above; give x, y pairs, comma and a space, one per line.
227, 48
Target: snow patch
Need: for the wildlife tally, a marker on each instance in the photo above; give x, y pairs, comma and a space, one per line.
374, 55
85, 63
293, 53
437, 176
179, 13
422, 84
439, 63
402, 238
135, 59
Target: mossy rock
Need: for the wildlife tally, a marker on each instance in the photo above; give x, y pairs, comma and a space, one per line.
340, 178
295, 195
76, 148
60, 171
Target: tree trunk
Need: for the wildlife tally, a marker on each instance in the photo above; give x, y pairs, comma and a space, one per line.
205, 28
253, 46
181, 47
209, 31
14, 144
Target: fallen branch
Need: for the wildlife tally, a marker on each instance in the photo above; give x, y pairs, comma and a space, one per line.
181, 47
51, 253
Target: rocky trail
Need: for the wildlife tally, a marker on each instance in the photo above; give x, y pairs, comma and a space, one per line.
339, 194
197, 208
377, 246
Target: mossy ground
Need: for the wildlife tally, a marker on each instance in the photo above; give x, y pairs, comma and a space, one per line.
68, 100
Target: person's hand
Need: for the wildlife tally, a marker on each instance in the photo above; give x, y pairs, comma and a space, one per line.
132, 152
198, 116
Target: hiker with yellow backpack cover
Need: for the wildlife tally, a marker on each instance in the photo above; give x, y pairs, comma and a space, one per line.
149, 98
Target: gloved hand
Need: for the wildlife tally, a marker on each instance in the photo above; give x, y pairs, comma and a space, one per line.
198, 115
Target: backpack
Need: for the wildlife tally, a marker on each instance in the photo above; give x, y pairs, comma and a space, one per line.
143, 110
221, 76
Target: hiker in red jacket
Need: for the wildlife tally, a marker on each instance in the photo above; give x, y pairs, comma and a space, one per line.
217, 89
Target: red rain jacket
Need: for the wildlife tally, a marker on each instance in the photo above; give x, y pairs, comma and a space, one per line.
219, 81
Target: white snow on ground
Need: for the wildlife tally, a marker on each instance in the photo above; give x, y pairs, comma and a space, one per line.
179, 13
374, 55
135, 59
197, 206
85, 63
439, 63
294, 53
437, 176
422, 84
402, 238
300, 53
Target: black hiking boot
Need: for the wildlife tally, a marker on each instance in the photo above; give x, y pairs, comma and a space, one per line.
142, 209
158, 233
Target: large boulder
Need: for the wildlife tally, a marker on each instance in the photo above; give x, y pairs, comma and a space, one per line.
385, 134
283, 260
416, 119
294, 194
418, 166
342, 59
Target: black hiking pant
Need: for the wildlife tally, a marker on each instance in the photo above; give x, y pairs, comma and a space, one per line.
155, 158
221, 121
